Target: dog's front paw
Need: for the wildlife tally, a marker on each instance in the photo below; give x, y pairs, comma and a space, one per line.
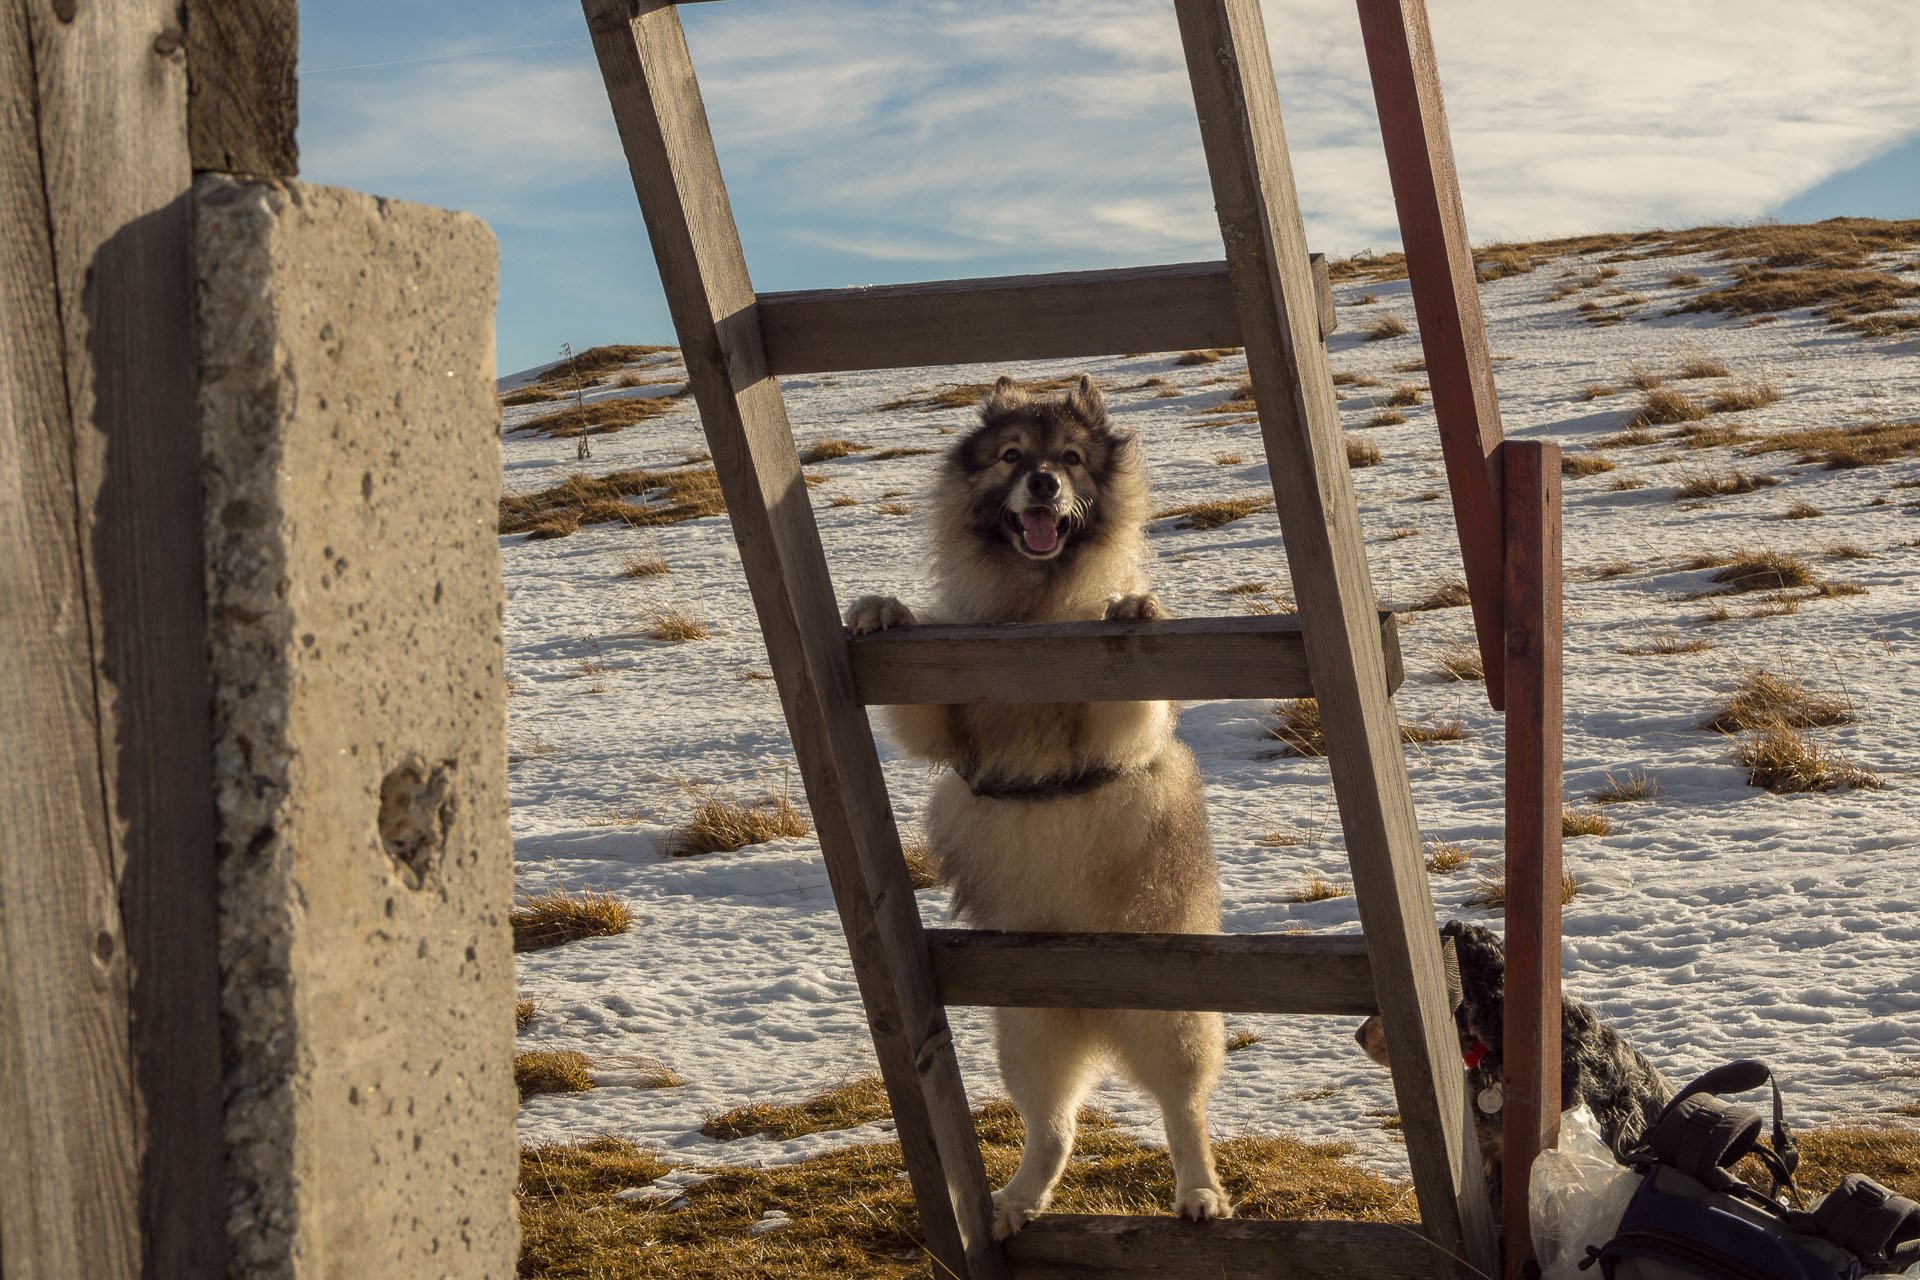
1009, 1215
876, 613
1202, 1203
1145, 607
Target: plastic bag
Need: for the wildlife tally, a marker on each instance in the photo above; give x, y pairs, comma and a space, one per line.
1575, 1196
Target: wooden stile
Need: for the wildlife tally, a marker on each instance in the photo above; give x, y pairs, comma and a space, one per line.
1066, 1246
1182, 659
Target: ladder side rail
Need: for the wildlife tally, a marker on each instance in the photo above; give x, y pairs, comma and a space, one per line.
663, 128
1254, 195
1074, 1246
1530, 1116
1446, 300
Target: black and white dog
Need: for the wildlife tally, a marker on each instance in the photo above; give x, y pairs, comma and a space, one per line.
1625, 1092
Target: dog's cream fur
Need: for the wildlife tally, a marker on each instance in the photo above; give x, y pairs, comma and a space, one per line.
1133, 854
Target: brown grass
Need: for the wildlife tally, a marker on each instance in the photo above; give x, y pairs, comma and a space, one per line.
1239, 1039
894, 509
1785, 761
1362, 453
667, 623
1387, 326
1403, 396
1490, 892
524, 1012
1762, 570
1444, 856
853, 1216
551, 919
1748, 395
552, 1071
527, 395
721, 826
1713, 484
1432, 731
1763, 698
1613, 569
1635, 784
1451, 594
1317, 889
1497, 264
1594, 391
1642, 378
1684, 280
1839, 448
923, 869
843, 500
886, 455
1583, 822
965, 395
669, 497
1708, 435
1845, 296
1198, 357
1702, 366
601, 417
1296, 724
598, 360
1622, 483
1228, 459
1622, 439
1354, 380
1803, 511
828, 450
1385, 418
1667, 643
1665, 406
858, 1101
1583, 464
1215, 512
1461, 662
633, 566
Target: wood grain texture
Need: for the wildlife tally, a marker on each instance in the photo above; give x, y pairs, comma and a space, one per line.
1245, 143
1446, 297
1073, 313
113, 144
1065, 1246
243, 94
1182, 659
1530, 1120
1231, 973
663, 128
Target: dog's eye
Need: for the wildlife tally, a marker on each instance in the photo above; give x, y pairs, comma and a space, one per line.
1071, 457
1011, 455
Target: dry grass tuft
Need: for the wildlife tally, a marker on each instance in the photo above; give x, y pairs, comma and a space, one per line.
1613, 569
843, 500
1490, 892
1362, 453
1583, 822
1709, 435
1239, 1039
1622, 439
1216, 512
923, 869
1387, 326
1385, 418
1461, 662
527, 395
1785, 761
1846, 551
1713, 484
1665, 406
1762, 699
1703, 367
1840, 448
858, 1101
1803, 511
1684, 280
1623, 483
1318, 890
1444, 856
552, 1071
1451, 594
1667, 643
1497, 264
1354, 380
828, 450
1198, 357
1228, 459
1432, 731
599, 360
667, 623
1583, 464
1296, 723
1763, 570
1637, 784
721, 826
598, 417
1403, 396
667, 497
551, 919
894, 509
1748, 395
524, 1012
965, 395
633, 566
887, 455
1641, 378
1594, 391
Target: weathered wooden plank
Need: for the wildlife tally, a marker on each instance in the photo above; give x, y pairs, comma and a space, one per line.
1446, 297
1066, 1246
1072, 313
1182, 659
1530, 1120
243, 95
69, 1181
663, 128
1231, 973
1254, 195
112, 120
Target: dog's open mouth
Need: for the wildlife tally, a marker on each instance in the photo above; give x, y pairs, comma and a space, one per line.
1037, 531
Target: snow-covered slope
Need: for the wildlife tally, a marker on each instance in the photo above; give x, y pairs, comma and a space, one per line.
1715, 920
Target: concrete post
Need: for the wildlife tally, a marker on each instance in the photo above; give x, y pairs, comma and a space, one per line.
352, 470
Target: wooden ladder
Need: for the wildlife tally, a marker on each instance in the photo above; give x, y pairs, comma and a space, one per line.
1339, 649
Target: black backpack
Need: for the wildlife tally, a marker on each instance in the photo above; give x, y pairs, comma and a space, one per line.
1693, 1217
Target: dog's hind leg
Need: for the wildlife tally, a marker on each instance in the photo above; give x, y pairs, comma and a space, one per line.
1047, 1062
1176, 1057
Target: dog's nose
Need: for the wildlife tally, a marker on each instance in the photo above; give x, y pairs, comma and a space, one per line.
1043, 484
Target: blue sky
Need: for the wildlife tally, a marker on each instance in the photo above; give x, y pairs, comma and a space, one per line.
866, 142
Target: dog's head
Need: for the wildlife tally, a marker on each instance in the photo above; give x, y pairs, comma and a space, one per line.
1479, 1017
1042, 481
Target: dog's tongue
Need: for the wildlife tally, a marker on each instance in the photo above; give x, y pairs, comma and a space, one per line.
1039, 530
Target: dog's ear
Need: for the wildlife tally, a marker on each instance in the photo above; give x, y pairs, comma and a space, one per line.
1006, 396
1084, 402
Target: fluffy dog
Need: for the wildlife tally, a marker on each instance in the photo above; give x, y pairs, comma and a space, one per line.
1064, 816
1625, 1092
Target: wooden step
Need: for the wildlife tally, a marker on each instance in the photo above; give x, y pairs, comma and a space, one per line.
1071, 313
1183, 659
1074, 1246
1230, 973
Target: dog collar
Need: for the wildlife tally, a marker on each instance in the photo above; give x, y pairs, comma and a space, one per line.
1475, 1051
1051, 787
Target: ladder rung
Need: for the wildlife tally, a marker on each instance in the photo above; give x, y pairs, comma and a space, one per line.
1072, 1246
1072, 313
1231, 973
1183, 659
